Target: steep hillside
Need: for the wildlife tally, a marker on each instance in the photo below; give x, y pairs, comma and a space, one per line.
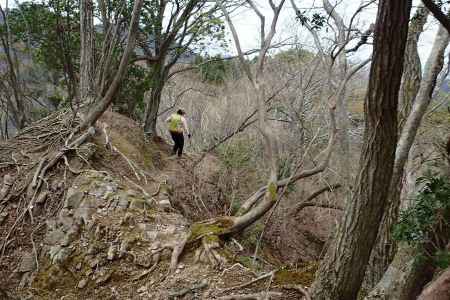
112, 218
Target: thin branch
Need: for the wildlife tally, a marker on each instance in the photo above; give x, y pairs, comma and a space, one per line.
437, 13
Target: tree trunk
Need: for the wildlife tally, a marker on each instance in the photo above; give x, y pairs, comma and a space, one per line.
16, 108
412, 268
385, 249
87, 51
342, 270
412, 74
102, 105
404, 278
438, 289
152, 107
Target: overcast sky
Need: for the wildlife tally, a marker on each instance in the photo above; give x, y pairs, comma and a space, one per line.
247, 24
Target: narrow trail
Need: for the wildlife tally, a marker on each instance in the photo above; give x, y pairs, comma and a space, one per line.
112, 220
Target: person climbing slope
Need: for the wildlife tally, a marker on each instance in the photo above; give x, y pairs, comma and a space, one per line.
177, 127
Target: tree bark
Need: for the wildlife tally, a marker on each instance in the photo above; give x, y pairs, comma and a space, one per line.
412, 73
412, 268
341, 272
87, 51
385, 249
16, 108
438, 14
152, 108
438, 289
404, 277
102, 105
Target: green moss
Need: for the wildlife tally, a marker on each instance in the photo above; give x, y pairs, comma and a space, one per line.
148, 159
304, 276
272, 191
212, 238
246, 261
218, 227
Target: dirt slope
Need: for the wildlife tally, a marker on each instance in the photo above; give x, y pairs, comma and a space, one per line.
109, 219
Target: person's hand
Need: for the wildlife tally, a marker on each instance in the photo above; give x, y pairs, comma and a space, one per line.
189, 135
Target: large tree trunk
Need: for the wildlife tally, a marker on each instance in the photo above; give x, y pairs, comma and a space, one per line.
87, 51
342, 270
385, 249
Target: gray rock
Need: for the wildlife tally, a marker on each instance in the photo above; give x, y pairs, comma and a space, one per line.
104, 278
59, 254
42, 197
85, 214
94, 263
3, 217
137, 204
82, 283
73, 199
27, 263
123, 202
53, 237
143, 261
111, 252
124, 246
70, 236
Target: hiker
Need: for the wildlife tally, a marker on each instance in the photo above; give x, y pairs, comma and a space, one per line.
177, 127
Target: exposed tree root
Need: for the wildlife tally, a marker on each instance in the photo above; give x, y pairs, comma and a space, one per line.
34, 152
208, 251
8, 181
176, 294
246, 284
299, 289
138, 172
257, 296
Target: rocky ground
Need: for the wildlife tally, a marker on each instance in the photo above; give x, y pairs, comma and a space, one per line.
114, 222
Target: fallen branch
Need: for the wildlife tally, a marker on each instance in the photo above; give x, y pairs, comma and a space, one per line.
267, 275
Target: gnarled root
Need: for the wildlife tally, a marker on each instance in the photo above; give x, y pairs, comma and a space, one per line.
208, 252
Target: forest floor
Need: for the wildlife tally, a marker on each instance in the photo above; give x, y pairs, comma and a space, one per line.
108, 218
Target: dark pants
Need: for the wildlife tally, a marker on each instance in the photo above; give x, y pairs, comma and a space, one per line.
178, 139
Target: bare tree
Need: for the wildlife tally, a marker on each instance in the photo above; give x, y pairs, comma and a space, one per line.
174, 28
270, 142
101, 104
341, 272
335, 61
